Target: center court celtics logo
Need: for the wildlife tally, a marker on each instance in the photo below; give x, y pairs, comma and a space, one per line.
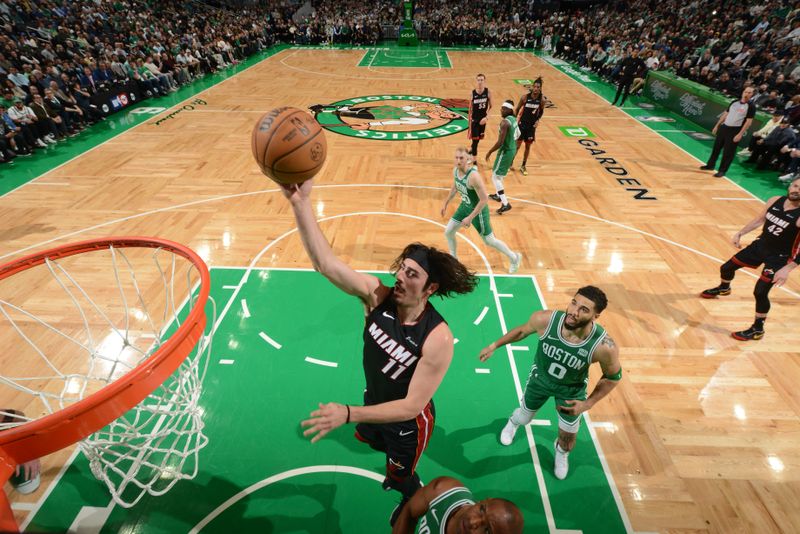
394, 117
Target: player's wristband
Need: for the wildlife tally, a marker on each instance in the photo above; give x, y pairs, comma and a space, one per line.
615, 377
348, 413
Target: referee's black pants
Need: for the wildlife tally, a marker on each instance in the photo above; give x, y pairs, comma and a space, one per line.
724, 143
624, 89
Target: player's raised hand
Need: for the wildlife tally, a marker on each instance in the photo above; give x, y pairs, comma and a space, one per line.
296, 192
326, 418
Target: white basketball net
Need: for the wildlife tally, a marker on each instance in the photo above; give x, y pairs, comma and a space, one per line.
99, 335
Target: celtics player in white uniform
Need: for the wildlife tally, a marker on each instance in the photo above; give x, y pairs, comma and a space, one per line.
506, 147
569, 342
473, 208
445, 506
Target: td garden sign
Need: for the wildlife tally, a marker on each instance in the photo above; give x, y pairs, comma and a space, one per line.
394, 117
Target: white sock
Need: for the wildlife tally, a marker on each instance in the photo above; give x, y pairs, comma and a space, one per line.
496, 244
522, 416
503, 199
498, 183
450, 235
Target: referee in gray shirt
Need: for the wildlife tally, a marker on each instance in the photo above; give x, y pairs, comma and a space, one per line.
730, 128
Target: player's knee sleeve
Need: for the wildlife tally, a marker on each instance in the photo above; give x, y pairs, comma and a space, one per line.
490, 240
522, 416
761, 292
728, 270
451, 228
497, 181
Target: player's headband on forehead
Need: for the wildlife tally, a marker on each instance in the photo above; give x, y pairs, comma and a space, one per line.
507, 105
421, 257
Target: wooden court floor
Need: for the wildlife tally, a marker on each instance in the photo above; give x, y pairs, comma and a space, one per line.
702, 434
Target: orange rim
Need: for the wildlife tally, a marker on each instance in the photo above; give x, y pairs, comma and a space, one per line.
70, 425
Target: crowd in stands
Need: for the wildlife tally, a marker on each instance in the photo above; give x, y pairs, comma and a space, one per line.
55, 55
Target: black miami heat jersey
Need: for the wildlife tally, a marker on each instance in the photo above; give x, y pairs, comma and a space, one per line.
392, 350
480, 105
780, 233
532, 110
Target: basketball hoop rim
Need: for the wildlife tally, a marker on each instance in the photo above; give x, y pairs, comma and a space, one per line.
70, 425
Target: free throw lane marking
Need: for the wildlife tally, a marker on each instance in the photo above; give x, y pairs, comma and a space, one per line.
481, 316
269, 340
309, 359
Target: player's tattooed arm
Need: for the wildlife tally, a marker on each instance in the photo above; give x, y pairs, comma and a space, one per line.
608, 341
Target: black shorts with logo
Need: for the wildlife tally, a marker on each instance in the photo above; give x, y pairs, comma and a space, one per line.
403, 442
476, 129
527, 132
755, 254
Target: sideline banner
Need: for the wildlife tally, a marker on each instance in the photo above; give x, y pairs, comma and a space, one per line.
693, 101
116, 96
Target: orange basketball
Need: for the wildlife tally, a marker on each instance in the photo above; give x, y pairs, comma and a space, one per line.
289, 145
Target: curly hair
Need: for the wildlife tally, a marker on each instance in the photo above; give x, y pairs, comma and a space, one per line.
451, 275
596, 295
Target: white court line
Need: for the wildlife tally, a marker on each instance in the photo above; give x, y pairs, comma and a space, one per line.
50, 488
62, 184
537, 467
480, 317
640, 122
309, 359
226, 362
541, 422
518, 347
269, 340
23, 506
336, 469
358, 63
614, 491
605, 425
505, 295
229, 287
737, 198
455, 340
399, 186
412, 76
245, 309
483, 371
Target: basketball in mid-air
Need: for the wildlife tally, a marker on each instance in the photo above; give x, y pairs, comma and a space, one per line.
289, 145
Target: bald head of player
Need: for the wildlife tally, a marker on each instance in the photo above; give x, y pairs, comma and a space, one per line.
497, 516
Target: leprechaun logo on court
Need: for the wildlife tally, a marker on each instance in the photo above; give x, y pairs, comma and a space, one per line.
394, 117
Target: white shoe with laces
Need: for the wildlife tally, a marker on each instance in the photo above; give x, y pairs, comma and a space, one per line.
562, 463
514, 267
507, 434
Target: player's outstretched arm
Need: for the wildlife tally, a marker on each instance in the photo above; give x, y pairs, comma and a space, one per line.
537, 323
368, 288
418, 505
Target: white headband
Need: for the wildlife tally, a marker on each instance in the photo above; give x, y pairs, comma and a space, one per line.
507, 105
